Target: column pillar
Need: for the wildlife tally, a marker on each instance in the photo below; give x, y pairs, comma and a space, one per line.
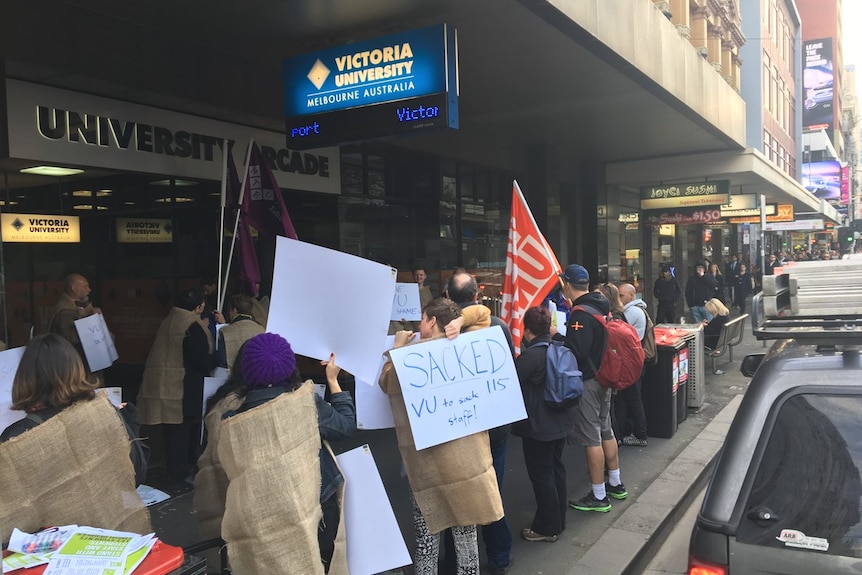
698, 31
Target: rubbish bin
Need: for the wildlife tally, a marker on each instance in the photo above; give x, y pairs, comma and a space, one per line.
663, 393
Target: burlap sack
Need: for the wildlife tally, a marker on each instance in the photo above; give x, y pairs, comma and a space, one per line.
454, 483
211, 480
271, 457
160, 399
73, 468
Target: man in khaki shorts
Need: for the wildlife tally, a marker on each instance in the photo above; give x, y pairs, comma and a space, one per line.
586, 337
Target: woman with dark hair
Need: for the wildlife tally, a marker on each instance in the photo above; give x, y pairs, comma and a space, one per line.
173, 382
51, 378
543, 433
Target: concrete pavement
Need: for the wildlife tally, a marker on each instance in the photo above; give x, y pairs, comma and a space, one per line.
662, 479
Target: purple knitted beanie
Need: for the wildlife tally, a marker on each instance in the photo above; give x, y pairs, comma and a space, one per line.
267, 359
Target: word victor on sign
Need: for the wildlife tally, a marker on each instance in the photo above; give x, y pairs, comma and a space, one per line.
380, 87
144, 231
454, 388
686, 195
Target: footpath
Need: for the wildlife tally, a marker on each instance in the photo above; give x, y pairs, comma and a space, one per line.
662, 479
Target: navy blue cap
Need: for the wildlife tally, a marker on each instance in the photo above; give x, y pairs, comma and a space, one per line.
575, 274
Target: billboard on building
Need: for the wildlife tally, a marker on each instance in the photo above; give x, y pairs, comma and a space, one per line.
817, 81
823, 179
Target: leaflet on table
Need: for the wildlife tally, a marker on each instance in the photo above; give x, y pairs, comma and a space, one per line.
44, 541
101, 550
23, 561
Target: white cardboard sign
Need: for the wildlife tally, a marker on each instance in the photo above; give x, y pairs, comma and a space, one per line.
372, 405
326, 301
97, 342
374, 540
406, 303
454, 388
9, 361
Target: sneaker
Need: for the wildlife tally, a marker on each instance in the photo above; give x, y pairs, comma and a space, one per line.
589, 503
530, 535
618, 492
633, 441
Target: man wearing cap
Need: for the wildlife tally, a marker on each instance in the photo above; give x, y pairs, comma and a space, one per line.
699, 290
586, 337
666, 291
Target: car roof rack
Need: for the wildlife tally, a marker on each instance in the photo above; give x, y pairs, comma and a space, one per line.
819, 300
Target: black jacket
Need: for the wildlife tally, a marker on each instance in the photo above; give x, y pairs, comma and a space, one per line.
198, 363
667, 292
585, 336
542, 423
699, 290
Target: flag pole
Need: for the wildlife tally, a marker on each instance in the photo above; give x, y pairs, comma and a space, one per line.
545, 245
223, 201
236, 220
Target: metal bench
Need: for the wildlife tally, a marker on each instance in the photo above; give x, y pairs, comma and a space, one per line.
730, 335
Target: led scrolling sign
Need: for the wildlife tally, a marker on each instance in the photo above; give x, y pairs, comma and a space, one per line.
396, 84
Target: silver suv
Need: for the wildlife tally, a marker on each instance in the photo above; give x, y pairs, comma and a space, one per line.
786, 492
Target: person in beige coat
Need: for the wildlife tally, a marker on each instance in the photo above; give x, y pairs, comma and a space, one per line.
452, 484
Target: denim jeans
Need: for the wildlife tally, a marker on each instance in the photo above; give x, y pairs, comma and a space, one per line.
700, 314
497, 535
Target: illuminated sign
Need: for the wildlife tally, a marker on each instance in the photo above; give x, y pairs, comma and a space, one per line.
144, 231
808, 225
783, 213
685, 217
396, 84
686, 195
770, 211
40, 228
818, 80
823, 179
629, 218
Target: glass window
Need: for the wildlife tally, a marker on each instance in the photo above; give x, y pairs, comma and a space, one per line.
809, 476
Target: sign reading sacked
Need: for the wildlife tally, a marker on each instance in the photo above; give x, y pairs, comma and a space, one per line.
454, 388
686, 195
144, 231
40, 228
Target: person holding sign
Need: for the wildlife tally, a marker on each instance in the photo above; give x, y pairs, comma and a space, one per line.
51, 378
73, 304
172, 387
282, 429
452, 484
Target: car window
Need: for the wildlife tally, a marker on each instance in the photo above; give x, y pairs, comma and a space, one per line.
809, 476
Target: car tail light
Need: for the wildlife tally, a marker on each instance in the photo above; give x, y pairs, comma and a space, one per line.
698, 567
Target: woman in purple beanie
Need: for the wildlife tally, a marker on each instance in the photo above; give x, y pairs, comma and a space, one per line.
268, 367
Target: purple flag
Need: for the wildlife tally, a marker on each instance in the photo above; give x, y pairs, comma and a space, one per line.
263, 202
249, 274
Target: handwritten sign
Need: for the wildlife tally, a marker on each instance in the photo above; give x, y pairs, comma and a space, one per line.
454, 388
97, 342
9, 361
406, 303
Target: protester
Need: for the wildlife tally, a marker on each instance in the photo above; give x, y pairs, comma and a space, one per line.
172, 387
586, 337
74, 458
628, 403
465, 495
277, 404
51, 378
211, 480
667, 292
543, 433
712, 328
242, 327
74, 304
699, 289
464, 291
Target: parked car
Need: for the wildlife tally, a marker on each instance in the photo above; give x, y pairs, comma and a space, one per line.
786, 492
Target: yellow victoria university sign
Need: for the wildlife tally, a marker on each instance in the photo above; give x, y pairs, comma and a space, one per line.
144, 231
40, 228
